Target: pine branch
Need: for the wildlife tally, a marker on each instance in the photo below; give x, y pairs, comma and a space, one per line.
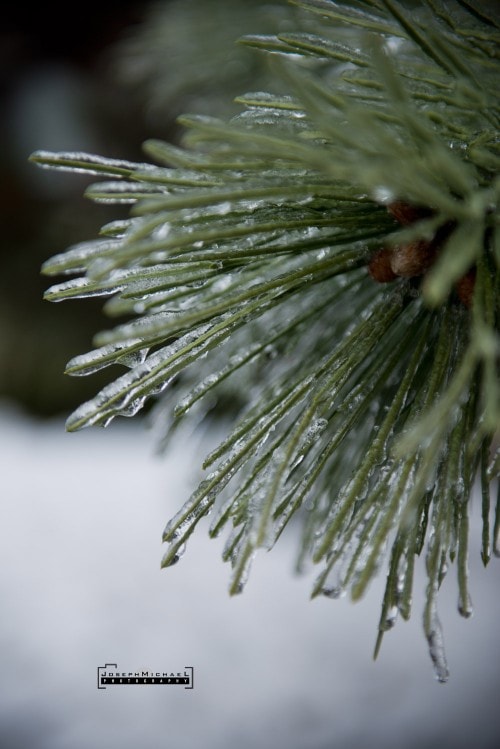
332, 254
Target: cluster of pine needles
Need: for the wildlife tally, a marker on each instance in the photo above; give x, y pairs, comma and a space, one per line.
261, 266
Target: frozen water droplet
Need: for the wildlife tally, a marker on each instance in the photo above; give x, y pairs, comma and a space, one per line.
383, 195
443, 570
133, 407
333, 591
312, 434
221, 284
133, 359
168, 559
391, 617
162, 231
271, 351
465, 607
393, 44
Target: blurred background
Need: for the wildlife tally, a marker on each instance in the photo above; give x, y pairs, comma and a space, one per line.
102, 80
57, 94
82, 515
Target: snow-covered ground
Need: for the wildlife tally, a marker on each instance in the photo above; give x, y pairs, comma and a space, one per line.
81, 586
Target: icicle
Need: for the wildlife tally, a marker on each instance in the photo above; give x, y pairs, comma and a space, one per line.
437, 652
464, 601
242, 564
434, 635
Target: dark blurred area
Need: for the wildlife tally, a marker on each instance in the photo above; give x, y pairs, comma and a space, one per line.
57, 93
100, 78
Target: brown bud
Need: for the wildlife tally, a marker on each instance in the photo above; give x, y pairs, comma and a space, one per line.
407, 214
379, 266
413, 259
465, 287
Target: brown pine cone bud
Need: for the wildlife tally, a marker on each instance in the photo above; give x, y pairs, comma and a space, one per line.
407, 214
379, 266
413, 259
465, 287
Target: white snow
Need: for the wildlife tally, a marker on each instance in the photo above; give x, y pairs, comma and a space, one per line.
81, 586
